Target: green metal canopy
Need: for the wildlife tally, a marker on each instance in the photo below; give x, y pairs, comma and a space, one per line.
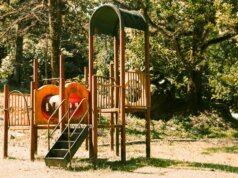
108, 18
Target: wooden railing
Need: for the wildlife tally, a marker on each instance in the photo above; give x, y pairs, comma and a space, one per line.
135, 91
19, 108
105, 92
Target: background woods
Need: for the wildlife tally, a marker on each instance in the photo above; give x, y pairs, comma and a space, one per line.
193, 46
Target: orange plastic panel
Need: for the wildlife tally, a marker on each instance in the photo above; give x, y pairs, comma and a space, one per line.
42, 98
74, 93
47, 99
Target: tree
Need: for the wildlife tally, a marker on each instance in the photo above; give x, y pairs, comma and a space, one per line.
55, 24
18, 21
184, 31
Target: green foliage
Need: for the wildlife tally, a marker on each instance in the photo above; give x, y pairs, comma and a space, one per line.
186, 36
223, 76
204, 125
135, 51
104, 55
6, 68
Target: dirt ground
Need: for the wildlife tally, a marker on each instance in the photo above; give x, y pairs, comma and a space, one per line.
19, 165
170, 158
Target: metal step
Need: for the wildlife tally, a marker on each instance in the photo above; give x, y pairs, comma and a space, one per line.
60, 154
56, 162
73, 136
62, 144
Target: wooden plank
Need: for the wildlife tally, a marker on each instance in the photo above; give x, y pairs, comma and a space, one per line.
20, 127
110, 110
109, 126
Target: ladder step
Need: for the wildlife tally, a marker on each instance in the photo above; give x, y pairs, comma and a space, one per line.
61, 153
63, 144
73, 137
56, 161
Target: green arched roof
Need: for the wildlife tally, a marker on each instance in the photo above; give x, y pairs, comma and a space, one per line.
108, 18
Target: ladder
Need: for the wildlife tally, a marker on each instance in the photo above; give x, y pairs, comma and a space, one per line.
66, 146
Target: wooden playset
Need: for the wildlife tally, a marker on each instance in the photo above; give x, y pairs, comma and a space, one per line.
75, 108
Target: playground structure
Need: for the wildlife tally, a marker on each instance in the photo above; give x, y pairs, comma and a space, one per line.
76, 108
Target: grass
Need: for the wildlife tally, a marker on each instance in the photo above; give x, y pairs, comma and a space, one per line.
204, 125
231, 149
135, 163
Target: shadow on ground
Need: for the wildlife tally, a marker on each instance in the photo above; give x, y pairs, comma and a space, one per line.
136, 163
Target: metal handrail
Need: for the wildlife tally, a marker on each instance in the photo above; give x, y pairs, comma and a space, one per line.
69, 120
76, 110
51, 116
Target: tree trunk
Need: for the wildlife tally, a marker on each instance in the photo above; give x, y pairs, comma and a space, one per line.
55, 22
194, 92
18, 57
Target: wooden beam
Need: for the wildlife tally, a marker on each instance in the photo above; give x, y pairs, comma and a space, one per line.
94, 120
112, 130
35, 73
90, 66
88, 122
116, 77
148, 95
122, 95
36, 85
109, 126
33, 139
62, 93
6, 120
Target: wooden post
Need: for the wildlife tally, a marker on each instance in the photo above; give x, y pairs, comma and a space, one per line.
86, 75
90, 65
6, 121
36, 85
33, 138
122, 95
35, 73
94, 121
86, 82
148, 97
112, 130
116, 102
62, 93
